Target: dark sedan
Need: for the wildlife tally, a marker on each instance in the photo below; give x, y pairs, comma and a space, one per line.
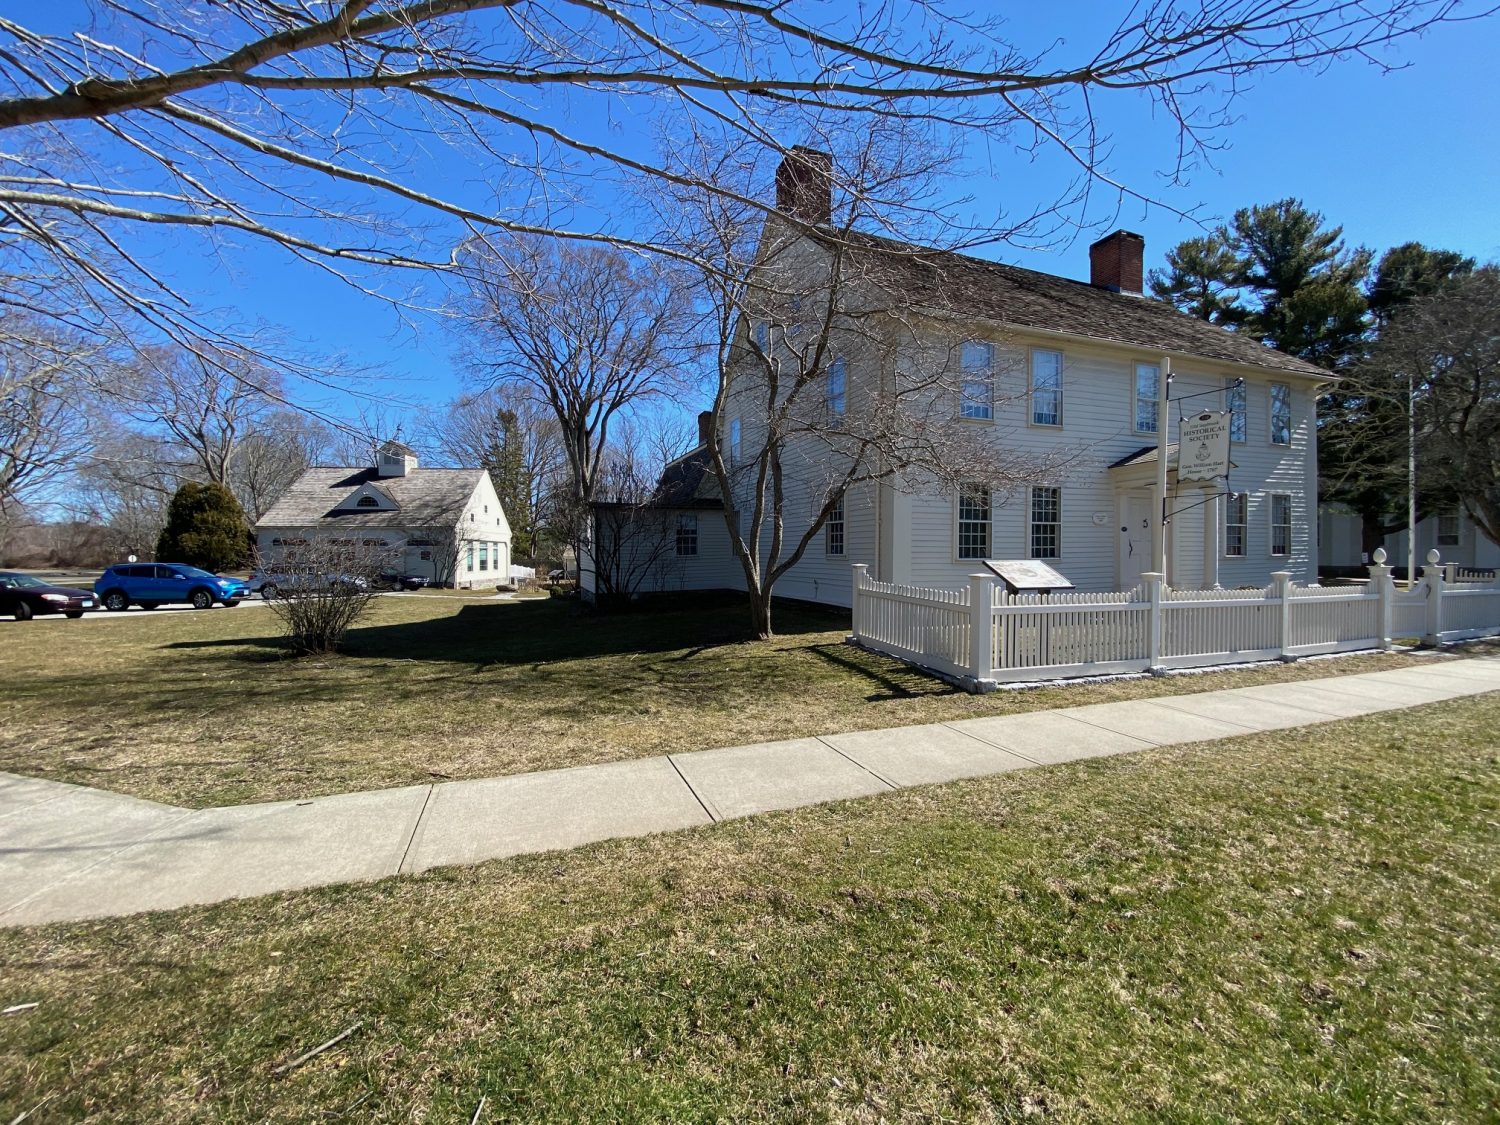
23, 597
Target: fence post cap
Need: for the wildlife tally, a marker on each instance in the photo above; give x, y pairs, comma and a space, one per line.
1379, 556
1433, 556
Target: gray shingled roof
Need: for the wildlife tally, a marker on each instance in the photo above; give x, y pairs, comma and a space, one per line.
688, 483
957, 284
425, 498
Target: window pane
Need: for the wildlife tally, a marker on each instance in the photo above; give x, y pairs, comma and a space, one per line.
1147, 389
834, 528
1046, 388
1281, 524
1046, 523
1234, 402
1281, 414
974, 523
836, 387
687, 534
1235, 524
975, 398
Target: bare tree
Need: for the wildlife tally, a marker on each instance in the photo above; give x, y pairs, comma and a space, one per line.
276, 449
478, 430
198, 403
584, 330
44, 382
311, 126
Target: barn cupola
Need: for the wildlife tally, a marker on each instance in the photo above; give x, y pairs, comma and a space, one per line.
395, 459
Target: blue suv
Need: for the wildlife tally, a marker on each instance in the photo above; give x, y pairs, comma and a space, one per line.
149, 585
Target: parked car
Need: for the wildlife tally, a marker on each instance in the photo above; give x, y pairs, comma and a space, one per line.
285, 584
149, 585
23, 597
403, 581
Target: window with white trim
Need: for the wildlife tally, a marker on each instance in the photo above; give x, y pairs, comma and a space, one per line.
469, 558
1147, 392
1234, 402
976, 385
1447, 529
1046, 387
833, 528
1281, 524
687, 534
1046, 522
484, 556
1236, 524
838, 386
1281, 414
974, 522
734, 441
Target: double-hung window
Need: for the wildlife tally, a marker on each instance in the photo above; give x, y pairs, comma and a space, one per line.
974, 522
1281, 524
838, 386
1281, 414
1147, 392
484, 556
1447, 529
1046, 523
1236, 524
687, 534
1234, 402
833, 528
977, 381
1046, 387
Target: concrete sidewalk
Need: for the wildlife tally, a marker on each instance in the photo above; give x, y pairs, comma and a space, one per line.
69, 852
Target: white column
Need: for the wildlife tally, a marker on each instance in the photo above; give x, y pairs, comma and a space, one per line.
1281, 581
860, 571
1152, 581
1432, 580
1211, 540
1380, 583
981, 626
1159, 514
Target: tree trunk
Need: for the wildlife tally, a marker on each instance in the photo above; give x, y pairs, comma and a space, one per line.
760, 614
1371, 533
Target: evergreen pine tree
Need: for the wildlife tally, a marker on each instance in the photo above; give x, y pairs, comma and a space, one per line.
205, 528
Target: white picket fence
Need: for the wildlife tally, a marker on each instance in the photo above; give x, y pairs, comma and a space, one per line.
982, 635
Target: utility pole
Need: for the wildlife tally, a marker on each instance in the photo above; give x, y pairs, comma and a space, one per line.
1411, 480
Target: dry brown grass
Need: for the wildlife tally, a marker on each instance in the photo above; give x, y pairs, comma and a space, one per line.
204, 708
1297, 926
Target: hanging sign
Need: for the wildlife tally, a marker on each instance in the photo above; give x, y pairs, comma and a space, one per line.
1203, 446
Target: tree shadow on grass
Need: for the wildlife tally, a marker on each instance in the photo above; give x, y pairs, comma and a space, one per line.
893, 679
544, 632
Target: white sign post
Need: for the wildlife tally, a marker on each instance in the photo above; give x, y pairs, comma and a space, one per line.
1203, 446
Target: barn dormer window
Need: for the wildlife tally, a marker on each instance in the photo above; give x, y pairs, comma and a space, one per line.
367, 502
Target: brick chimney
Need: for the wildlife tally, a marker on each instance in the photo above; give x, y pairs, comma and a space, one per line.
804, 185
705, 427
1116, 262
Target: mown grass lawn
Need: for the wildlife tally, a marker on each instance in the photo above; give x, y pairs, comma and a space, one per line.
1302, 926
204, 708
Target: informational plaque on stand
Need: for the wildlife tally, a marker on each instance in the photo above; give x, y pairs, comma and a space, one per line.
1028, 576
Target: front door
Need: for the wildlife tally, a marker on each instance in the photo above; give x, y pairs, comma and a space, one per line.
1135, 540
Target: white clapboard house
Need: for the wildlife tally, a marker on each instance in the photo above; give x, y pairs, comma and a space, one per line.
445, 525
1049, 365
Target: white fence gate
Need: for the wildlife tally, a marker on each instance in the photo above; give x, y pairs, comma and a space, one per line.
983, 635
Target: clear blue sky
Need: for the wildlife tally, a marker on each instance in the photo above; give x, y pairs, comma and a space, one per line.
1409, 155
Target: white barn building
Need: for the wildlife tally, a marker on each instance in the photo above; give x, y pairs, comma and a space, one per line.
445, 525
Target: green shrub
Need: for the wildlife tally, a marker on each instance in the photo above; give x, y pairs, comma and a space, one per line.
205, 528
